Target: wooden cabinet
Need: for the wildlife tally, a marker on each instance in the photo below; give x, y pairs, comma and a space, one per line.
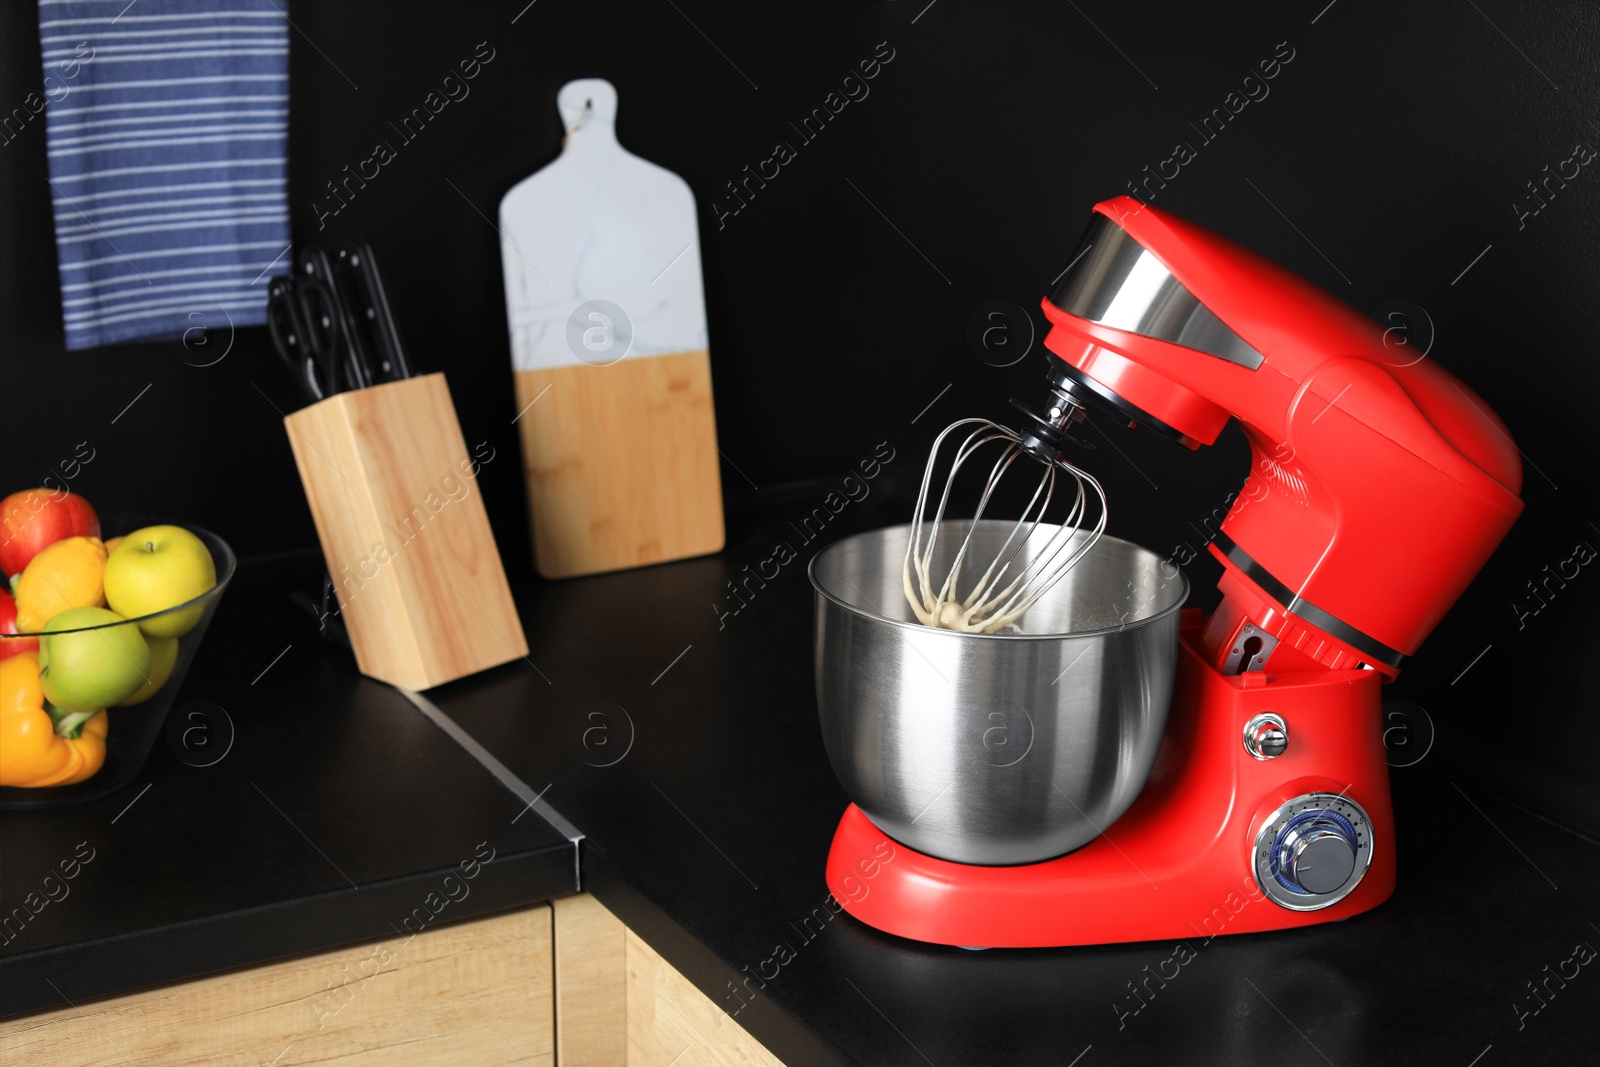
474, 993
564, 983
619, 1004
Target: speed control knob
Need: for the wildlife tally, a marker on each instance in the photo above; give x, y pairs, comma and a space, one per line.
1313, 851
1318, 860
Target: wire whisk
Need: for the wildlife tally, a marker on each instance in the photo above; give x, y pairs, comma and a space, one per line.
995, 600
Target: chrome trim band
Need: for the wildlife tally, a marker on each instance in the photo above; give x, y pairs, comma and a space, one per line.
522, 789
1293, 603
1114, 281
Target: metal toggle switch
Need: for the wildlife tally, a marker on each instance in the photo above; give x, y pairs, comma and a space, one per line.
1266, 736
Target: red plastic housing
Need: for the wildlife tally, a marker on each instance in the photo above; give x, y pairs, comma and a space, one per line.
1178, 864
1378, 486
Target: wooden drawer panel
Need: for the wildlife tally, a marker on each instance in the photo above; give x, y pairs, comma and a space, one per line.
479, 993
670, 1022
620, 1004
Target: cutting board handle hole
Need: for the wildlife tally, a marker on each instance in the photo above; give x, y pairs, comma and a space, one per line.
585, 101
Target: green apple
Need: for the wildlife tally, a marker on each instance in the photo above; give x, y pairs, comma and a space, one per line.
91, 669
163, 657
157, 568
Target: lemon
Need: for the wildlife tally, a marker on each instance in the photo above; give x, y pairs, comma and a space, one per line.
68, 574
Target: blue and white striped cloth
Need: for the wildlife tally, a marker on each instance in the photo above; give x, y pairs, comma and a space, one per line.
167, 128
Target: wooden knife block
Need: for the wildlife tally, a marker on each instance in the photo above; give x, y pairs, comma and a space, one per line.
394, 495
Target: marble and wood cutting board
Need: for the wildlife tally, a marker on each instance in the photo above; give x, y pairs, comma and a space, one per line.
608, 344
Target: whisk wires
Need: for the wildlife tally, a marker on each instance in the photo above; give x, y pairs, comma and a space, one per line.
998, 597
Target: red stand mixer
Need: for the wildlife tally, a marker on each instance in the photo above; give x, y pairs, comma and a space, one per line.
1378, 488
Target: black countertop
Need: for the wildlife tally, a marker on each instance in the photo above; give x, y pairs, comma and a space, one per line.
338, 810
708, 837
681, 739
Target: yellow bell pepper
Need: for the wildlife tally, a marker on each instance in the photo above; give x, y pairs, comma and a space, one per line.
36, 747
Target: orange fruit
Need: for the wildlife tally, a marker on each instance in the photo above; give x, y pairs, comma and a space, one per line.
111, 545
68, 574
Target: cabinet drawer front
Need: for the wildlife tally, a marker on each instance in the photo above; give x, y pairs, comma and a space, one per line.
478, 992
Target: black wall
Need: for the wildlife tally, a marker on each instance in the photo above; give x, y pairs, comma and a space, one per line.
1397, 140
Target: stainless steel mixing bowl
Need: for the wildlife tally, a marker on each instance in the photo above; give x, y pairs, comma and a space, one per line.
1000, 748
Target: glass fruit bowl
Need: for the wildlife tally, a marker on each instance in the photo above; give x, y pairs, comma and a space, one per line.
109, 679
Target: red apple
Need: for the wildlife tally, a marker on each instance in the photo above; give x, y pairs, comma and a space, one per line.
12, 646
35, 519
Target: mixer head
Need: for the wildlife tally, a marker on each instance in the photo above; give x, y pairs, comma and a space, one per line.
1377, 486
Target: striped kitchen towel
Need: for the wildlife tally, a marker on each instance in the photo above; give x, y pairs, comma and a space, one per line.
167, 130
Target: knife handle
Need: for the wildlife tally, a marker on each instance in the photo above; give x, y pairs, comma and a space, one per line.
372, 307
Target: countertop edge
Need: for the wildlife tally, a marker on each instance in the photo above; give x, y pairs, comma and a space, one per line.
239, 940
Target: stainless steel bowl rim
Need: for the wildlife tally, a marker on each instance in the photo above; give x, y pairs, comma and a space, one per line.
873, 616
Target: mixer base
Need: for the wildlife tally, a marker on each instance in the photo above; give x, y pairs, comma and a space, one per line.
1181, 864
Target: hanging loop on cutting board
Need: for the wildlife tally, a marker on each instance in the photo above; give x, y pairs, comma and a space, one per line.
587, 101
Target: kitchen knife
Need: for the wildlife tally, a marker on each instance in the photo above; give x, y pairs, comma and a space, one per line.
370, 307
312, 264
